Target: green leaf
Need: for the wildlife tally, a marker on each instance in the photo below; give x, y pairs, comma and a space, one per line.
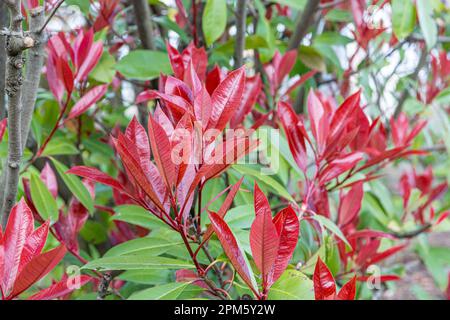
150, 277
295, 4
443, 98
94, 232
292, 285
137, 262
43, 200
403, 18
332, 39
59, 146
104, 71
427, 22
170, 291
144, 64
138, 216
267, 180
331, 226
147, 246
75, 186
214, 20
311, 58
338, 15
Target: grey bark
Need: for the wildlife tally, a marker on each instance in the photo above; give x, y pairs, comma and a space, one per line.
304, 20
3, 24
241, 17
144, 23
16, 43
34, 65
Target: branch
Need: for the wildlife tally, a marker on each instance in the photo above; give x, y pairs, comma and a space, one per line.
3, 24
16, 43
304, 21
144, 23
413, 77
44, 25
241, 17
33, 68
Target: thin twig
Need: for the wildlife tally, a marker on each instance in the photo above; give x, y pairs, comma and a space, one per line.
241, 17
51, 16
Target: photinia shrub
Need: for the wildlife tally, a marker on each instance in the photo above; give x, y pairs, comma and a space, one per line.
224, 149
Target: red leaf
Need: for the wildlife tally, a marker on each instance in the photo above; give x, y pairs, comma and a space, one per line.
133, 167
226, 98
295, 133
350, 205
231, 248
338, 166
264, 239
175, 60
343, 115
37, 268
213, 79
252, 90
86, 101
49, 178
59, 289
97, 176
162, 152
3, 125
348, 291
18, 228
224, 207
382, 278
90, 62
65, 74
324, 286
385, 254
136, 133
287, 62
34, 245
319, 120
288, 227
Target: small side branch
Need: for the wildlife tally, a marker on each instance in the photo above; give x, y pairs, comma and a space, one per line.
144, 23
241, 17
304, 21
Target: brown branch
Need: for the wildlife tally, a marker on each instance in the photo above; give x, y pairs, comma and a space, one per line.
144, 23
412, 234
241, 17
51, 15
16, 43
304, 21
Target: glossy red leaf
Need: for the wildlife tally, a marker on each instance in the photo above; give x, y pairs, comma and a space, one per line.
232, 249
350, 205
338, 166
286, 64
348, 290
97, 176
34, 244
264, 239
60, 288
65, 74
86, 101
324, 286
384, 254
49, 178
224, 207
18, 228
3, 125
226, 98
288, 229
133, 167
162, 152
295, 133
37, 268
213, 79
252, 90
319, 120
90, 62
